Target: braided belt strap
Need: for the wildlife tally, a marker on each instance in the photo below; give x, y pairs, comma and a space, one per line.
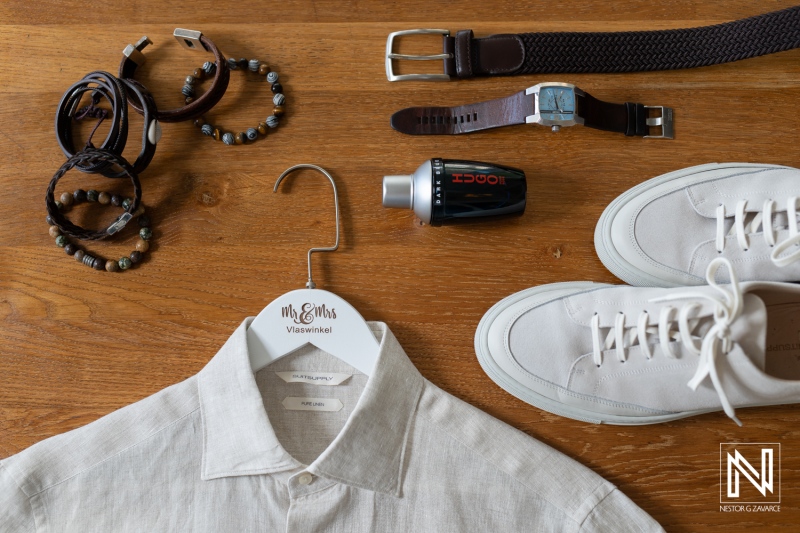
465, 56
630, 51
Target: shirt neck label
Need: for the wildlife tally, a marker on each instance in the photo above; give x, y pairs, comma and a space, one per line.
315, 378
293, 403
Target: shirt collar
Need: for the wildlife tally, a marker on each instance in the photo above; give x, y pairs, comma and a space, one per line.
239, 440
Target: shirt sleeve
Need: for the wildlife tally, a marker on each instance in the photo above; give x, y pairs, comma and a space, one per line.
616, 512
16, 514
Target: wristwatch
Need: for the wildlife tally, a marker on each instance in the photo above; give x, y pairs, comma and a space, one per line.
549, 104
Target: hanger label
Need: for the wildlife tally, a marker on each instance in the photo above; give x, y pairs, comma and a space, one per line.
315, 378
306, 313
293, 403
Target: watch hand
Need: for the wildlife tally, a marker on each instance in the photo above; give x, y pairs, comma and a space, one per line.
560, 98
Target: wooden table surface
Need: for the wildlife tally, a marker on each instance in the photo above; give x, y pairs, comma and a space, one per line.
76, 344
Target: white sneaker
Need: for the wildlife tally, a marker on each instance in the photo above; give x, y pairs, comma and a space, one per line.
664, 232
616, 354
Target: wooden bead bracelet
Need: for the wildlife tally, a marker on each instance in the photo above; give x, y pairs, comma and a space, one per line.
91, 156
93, 260
250, 134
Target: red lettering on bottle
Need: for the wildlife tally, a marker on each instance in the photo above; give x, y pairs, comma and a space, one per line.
490, 179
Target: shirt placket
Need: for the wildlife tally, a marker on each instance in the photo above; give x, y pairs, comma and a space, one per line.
310, 501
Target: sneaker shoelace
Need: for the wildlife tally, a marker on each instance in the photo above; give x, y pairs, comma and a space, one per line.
765, 219
727, 307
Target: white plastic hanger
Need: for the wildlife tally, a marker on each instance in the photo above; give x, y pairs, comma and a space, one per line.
312, 316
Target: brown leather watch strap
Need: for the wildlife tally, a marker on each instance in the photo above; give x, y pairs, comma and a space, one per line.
629, 51
627, 118
464, 119
198, 107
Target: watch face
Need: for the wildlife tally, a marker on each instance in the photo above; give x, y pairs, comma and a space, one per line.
556, 103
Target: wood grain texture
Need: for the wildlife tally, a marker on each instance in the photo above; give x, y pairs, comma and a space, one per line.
77, 344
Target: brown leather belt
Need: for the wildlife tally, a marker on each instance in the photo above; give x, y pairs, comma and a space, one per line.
465, 56
548, 104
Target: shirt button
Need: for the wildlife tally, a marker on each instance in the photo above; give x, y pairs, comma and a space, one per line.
304, 479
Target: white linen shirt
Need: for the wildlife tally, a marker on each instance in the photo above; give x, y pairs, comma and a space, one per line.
219, 452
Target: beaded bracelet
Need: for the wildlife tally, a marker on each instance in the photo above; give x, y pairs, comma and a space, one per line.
95, 261
251, 134
90, 156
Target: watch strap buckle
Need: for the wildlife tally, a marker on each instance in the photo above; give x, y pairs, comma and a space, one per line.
391, 56
664, 121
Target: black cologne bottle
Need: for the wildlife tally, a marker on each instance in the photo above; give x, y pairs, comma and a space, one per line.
448, 191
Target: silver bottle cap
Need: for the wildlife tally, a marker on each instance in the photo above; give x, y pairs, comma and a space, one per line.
398, 191
411, 192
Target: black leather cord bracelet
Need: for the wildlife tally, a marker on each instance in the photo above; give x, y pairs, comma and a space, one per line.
116, 92
151, 132
92, 156
101, 85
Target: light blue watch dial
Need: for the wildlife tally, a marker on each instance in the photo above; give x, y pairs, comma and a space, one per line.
556, 100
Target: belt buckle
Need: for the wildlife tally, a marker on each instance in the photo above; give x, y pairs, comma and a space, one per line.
406, 77
665, 121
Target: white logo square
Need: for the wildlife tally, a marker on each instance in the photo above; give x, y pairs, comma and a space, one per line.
750, 473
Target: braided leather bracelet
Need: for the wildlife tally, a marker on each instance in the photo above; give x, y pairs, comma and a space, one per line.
91, 156
194, 40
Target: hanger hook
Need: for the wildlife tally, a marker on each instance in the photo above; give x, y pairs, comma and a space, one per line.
310, 284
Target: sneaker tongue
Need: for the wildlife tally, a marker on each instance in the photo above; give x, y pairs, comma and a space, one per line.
750, 329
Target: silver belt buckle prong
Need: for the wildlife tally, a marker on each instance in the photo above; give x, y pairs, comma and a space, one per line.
664, 121
189, 39
390, 55
134, 51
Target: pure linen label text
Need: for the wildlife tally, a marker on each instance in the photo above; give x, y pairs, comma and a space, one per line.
294, 403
